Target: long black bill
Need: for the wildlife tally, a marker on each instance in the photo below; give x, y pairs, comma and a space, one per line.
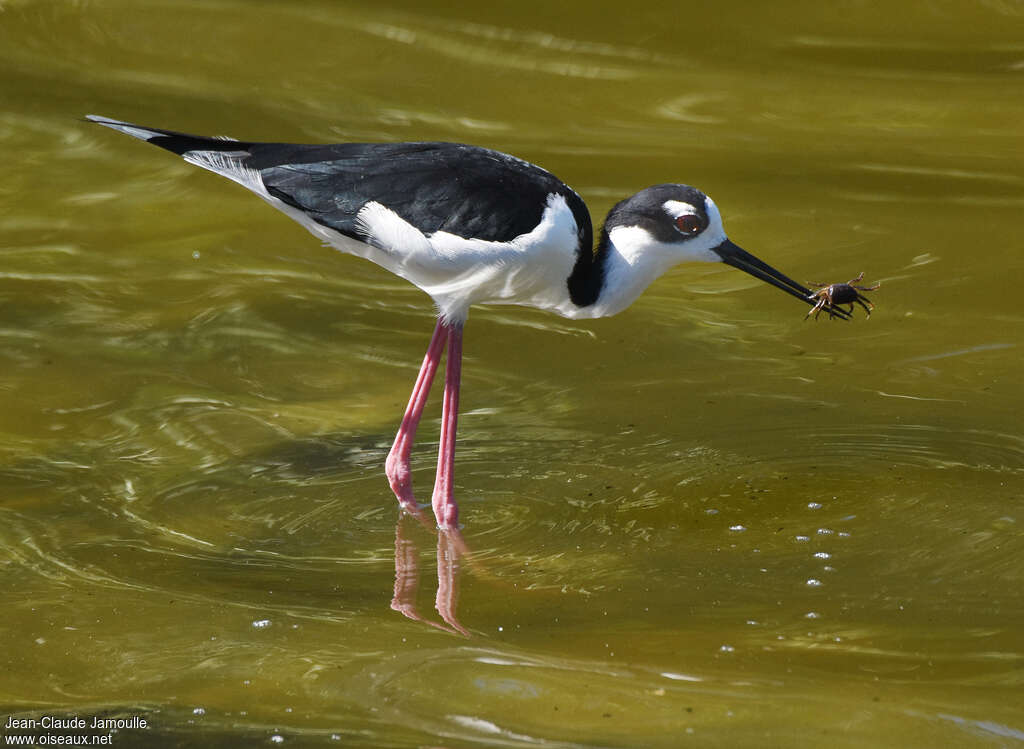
737, 257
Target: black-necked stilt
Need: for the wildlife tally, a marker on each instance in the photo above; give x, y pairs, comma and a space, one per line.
470, 226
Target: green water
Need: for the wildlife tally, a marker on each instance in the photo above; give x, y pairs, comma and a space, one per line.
703, 522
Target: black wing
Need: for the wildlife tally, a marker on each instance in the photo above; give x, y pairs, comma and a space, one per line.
464, 190
472, 192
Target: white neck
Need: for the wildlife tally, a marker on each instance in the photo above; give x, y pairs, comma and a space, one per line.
633, 263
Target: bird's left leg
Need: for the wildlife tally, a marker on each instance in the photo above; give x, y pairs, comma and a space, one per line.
445, 509
397, 467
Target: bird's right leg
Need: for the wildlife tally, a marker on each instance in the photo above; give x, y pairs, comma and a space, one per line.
397, 466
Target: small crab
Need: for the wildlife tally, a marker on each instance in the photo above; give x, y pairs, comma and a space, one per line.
830, 295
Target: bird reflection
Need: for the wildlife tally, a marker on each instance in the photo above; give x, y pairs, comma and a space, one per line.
450, 549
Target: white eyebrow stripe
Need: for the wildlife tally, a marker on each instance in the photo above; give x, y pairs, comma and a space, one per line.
677, 208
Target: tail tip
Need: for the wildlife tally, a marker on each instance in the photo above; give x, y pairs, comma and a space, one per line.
136, 131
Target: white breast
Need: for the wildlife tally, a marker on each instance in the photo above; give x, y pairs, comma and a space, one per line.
531, 269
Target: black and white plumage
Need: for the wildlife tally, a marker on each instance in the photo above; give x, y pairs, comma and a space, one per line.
469, 225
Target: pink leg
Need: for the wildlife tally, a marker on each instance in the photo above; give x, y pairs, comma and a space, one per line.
445, 509
397, 465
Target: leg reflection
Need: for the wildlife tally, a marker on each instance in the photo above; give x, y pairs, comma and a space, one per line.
450, 549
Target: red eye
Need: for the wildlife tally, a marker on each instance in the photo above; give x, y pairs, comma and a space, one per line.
688, 223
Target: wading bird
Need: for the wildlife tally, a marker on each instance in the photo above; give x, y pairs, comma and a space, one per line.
469, 225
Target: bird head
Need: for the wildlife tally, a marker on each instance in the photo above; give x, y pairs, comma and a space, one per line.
679, 223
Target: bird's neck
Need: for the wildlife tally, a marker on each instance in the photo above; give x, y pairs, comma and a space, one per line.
609, 279
586, 281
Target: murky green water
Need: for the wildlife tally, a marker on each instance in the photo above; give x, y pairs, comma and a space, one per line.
703, 522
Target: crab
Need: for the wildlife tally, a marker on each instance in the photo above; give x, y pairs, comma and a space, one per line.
831, 295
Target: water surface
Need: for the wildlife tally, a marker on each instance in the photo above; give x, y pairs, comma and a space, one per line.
704, 520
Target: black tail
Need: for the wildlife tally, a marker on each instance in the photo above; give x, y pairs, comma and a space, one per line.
179, 143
